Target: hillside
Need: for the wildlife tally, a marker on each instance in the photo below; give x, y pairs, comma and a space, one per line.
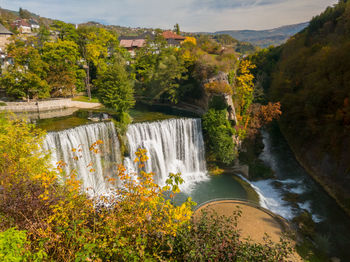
310, 75
265, 38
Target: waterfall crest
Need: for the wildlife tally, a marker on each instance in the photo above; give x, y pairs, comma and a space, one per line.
173, 146
91, 167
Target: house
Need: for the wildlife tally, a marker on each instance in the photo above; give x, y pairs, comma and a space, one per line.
131, 43
172, 38
23, 26
34, 24
4, 38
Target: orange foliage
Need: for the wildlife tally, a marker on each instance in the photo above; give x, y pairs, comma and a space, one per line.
262, 115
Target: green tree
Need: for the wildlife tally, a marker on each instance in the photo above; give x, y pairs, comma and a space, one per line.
65, 31
218, 132
115, 87
177, 28
24, 14
96, 46
24, 85
160, 70
63, 73
26, 77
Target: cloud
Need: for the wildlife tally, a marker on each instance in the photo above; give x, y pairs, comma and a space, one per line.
192, 15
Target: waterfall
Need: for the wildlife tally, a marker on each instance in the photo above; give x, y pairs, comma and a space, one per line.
172, 146
91, 167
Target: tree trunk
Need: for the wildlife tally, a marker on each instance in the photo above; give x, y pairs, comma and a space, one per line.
88, 89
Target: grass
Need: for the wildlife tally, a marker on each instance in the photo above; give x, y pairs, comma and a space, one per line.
86, 99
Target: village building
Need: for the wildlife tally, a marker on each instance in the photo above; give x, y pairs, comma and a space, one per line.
172, 38
34, 24
22, 26
4, 38
132, 43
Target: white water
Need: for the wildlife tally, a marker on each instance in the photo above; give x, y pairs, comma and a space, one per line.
271, 197
173, 146
62, 143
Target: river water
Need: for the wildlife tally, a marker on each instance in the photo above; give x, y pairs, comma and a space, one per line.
332, 223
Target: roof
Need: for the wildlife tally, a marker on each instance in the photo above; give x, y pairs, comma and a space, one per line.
4, 31
128, 43
172, 35
21, 22
33, 22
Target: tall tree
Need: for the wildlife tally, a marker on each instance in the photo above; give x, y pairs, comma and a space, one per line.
177, 28
115, 87
96, 45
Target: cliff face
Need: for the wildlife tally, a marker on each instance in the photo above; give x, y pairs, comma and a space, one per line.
312, 81
329, 170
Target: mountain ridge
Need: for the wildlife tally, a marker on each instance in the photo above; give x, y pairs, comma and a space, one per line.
264, 38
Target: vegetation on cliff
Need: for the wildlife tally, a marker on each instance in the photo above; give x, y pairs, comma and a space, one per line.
309, 76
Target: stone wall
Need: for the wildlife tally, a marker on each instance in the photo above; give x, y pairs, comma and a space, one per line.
48, 105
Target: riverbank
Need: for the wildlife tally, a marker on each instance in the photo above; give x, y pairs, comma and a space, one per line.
47, 105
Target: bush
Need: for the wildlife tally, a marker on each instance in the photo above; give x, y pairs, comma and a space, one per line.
210, 237
218, 132
14, 247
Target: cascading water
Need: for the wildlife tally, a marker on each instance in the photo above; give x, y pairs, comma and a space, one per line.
173, 146
91, 167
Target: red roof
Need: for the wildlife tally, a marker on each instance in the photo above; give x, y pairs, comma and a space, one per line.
132, 43
21, 22
172, 35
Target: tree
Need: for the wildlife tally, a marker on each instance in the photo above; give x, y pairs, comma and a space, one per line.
96, 46
115, 88
244, 90
26, 77
177, 28
63, 72
24, 14
218, 132
25, 85
65, 31
160, 70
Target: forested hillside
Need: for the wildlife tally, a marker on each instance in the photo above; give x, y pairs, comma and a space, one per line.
265, 38
310, 75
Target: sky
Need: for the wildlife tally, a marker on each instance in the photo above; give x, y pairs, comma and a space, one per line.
192, 15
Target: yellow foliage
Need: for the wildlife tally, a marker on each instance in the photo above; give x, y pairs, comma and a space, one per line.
218, 87
191, 40
66, 223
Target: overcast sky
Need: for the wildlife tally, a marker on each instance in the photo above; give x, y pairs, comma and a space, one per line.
192, 15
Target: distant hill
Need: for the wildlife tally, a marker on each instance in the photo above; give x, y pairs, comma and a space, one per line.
265, 38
